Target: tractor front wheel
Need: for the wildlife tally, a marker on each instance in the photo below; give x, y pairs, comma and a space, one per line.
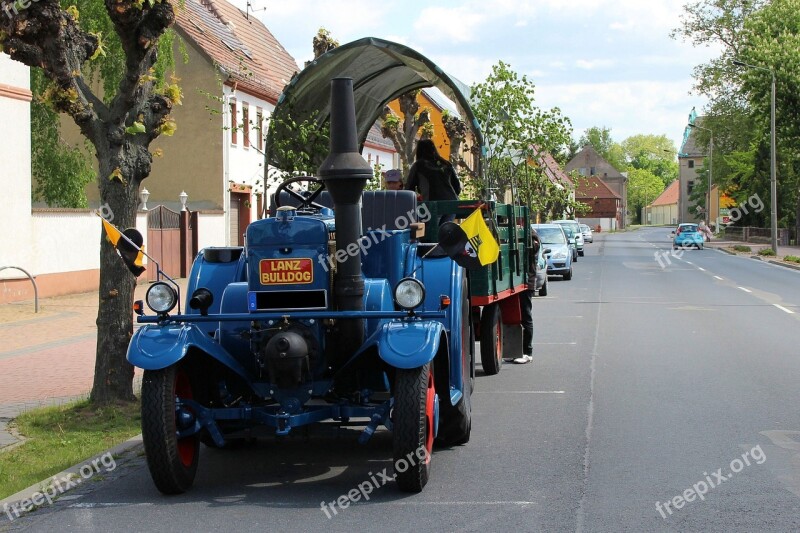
491, 340
172, 461
413, 419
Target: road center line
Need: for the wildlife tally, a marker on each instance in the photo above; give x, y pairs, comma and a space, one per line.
717, 277
782, 308
745, 290
701, 268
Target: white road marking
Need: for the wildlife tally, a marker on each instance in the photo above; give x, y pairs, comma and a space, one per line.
701, 268
782, 308
519, 392
717, 277
555, 343
745, 290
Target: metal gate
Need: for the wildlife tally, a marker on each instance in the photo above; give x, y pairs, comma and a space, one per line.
164, 241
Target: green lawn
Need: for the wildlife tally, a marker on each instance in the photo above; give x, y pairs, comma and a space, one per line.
60, 437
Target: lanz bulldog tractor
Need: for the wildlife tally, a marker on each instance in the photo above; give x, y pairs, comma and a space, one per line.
318, 318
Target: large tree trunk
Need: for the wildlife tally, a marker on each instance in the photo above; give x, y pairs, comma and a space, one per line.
113, 376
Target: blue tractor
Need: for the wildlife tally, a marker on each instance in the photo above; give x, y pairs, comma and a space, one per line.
318, 318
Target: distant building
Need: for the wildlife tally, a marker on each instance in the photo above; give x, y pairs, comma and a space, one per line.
605, 204
690, 160
589, 163
664, 209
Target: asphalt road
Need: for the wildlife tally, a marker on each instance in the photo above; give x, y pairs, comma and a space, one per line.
652, 380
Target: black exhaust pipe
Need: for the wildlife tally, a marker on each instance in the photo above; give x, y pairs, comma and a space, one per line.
345, 174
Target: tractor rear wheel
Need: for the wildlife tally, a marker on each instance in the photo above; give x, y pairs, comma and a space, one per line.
172, 461
413, 419
491, 340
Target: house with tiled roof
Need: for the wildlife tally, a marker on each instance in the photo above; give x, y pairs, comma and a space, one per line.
605, 204
587, 162
664, 209
231, 71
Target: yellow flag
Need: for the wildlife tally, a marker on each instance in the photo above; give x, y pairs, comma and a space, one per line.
480, 238
112, 232
128, 244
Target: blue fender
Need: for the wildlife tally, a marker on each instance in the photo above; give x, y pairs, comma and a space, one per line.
154, 347
409, 344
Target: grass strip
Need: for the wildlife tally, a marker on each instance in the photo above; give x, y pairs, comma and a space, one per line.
62, 436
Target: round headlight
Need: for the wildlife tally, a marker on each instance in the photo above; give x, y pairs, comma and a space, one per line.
161, 298
409, 293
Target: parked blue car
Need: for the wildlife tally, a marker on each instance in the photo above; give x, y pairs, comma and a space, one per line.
687, 236
559, 260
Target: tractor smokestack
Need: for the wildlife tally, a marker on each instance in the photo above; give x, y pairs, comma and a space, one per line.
345, 174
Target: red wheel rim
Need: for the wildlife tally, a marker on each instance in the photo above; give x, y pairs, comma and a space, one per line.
429, 417
186, 445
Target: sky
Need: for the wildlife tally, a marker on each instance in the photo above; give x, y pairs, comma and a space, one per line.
605, 63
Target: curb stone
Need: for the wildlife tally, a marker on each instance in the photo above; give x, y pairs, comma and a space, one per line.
129, 446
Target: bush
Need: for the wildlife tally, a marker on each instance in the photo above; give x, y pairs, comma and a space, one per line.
767, 252
742, 248
792, 258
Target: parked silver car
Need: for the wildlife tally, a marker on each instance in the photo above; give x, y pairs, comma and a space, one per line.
588, 236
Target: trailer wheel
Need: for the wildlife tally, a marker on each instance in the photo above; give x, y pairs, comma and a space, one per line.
455, 421
172, 461
491, 340
413, 418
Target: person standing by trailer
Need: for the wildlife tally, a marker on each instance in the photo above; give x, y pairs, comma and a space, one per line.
526, 301
433, 176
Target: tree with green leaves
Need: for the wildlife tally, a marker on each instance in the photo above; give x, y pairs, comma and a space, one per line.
643, 188
134, 110
515, 130
765, 34
601, 140
654, 153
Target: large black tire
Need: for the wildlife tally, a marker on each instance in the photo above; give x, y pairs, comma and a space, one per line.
543, 290
568, 275
580, 253
413, 419
455, 421
172, 462
491, 340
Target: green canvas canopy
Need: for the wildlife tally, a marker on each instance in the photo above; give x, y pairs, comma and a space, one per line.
381, 71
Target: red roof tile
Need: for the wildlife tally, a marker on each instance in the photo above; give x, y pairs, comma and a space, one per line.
241, 46
593, 187
669, 196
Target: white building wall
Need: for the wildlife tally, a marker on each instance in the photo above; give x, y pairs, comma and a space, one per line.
243, 165
212, 230
374, 155
15, 177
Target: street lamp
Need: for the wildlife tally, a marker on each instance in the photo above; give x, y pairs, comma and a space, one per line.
773, 189
710, 166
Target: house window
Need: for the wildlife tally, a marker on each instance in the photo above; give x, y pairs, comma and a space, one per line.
689, 187
234, 124
259, 128
591, 171
246, 125
691, 163
582, 171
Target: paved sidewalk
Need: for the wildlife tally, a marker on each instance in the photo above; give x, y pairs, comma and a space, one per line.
47, 358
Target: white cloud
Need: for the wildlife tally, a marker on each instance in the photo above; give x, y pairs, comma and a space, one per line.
594, 63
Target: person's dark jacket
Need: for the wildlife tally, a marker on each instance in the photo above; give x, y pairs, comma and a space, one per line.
533, 259
436, 180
